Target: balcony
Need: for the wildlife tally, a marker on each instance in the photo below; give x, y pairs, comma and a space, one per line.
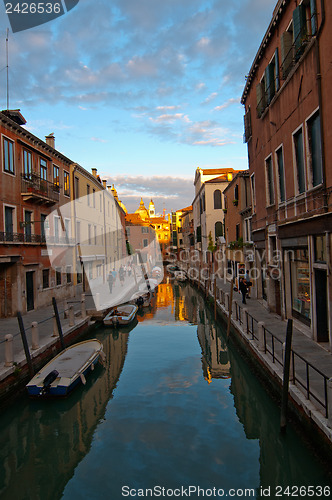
38, 190
9, 237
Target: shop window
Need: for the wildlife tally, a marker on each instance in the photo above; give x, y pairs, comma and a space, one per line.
300, 285
320, 249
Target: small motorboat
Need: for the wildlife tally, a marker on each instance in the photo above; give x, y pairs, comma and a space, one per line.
68, 369
180, 276
121, 315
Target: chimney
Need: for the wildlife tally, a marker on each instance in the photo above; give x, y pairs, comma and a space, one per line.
94, 172
104, 183
50, 140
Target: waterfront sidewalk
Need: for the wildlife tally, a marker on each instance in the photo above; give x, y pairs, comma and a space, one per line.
265, 334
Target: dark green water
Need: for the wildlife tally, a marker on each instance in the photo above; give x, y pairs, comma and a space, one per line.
174, 407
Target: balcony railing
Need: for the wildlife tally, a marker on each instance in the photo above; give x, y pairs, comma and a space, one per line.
34, 188
9, 237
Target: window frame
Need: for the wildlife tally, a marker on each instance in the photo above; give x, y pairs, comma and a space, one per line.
278, 177
269, 181
308, 151
10, 155
298, 192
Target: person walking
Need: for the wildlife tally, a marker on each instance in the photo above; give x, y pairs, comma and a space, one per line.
248, 283
110, 280
243, 289
121, 275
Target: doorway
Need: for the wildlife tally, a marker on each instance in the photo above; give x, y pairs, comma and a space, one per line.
321, 305
30, 290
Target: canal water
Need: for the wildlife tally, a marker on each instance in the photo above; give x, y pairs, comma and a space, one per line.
174, 407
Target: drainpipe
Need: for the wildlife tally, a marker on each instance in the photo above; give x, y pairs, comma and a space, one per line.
320, 98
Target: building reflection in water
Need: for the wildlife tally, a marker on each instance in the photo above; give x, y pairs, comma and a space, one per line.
41, 437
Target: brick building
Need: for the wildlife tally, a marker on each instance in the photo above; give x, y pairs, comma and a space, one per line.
288, 109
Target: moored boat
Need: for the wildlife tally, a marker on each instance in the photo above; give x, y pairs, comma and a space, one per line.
68, 369
120, 315
141, 299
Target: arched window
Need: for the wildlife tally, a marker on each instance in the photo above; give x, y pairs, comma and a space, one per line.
217, 198
218, 229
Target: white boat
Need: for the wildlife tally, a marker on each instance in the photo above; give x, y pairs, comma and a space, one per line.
121, 315
180, 275
68, 369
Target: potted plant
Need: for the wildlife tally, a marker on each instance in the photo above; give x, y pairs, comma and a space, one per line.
235, 202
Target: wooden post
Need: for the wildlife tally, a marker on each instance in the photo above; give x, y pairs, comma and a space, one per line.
230, 307
71, 315
9, 357
25, 344
215, 297
83, 308
58, 322
35, 335
285, 386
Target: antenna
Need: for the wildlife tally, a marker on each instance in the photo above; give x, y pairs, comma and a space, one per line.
7, 70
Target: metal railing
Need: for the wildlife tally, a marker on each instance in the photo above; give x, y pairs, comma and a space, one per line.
33, 184
10, 237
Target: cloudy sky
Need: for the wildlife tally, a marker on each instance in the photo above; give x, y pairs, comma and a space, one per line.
143, 90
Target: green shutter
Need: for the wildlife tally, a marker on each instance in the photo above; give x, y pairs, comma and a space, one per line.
269, 82
286, 53
276, 63
313, 13
299, 25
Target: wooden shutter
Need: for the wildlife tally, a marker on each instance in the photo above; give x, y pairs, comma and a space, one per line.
313, 13
269, 82
286, 53
299, 26
276, 63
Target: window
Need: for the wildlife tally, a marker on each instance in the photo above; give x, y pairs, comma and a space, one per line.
300, 29
43, 169
27, 164
261, 97
42, 226
269, 181
237, 232
286, 42
217, 199
77, 188
94, 198
66, 191
299, 160
145, 230
236, 193
89, 234
56, 178
247, 230
58, 276
281, 175
46, 278
247, 126
8, 156
218, 229
320, 249
315, 151
88, 194
300, 281
9, 223
95, 234
67, 228
145, 243
199, 234
56, 229
27, 225
68, 274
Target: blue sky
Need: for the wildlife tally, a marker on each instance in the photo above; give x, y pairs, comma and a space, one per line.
145, 91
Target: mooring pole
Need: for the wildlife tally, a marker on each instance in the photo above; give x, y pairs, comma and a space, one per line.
25, 344
215, 296
285, 386
58, 322
230, 308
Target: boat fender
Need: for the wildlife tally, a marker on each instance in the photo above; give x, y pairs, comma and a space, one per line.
102, 356
92, 367
50, 377
83, 380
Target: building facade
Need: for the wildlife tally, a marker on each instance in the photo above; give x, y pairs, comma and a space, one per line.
35, 178
287, 128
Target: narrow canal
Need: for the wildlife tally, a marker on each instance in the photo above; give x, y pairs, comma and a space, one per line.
173, 408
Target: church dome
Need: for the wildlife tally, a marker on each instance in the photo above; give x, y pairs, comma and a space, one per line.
142, 210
